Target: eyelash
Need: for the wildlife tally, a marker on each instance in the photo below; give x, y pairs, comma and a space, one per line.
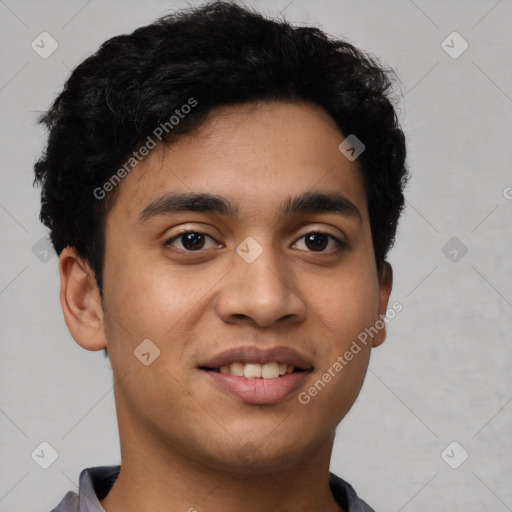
341, 245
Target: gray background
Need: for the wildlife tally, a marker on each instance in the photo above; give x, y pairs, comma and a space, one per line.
443, 374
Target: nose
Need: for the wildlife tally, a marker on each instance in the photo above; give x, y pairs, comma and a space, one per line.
261, 292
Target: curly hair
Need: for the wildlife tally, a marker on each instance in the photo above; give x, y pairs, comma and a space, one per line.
219, 54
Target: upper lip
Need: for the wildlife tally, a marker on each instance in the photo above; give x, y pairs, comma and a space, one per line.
257, 355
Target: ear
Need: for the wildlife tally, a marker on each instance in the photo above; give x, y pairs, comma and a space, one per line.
80, 300
385, 285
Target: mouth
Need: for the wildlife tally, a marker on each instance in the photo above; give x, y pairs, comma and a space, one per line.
257, 376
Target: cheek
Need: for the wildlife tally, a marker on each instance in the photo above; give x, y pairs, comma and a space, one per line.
153, 300
345, 305
333, 391
136, 289
345, 354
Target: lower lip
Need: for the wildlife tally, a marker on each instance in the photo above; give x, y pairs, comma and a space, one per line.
259, 391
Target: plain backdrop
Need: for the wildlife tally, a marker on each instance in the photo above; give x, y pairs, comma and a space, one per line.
443, 374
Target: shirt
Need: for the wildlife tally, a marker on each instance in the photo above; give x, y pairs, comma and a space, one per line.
95, 484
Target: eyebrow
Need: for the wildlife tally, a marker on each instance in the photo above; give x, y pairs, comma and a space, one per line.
307, 202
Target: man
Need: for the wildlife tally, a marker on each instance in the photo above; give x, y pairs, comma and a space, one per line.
222, 190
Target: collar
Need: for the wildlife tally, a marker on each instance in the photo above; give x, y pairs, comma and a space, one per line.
95, 483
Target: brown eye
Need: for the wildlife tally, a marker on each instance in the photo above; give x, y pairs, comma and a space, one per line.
192, 241
318, 242
189, 241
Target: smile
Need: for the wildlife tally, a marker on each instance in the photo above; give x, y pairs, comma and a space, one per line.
271, 370
256, 375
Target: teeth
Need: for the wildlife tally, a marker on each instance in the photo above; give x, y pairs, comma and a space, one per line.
236, 369
270, 371
252, 371
257, 371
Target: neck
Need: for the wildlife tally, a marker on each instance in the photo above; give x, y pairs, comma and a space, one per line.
157, 477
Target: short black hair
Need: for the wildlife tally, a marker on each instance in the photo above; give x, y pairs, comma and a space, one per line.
217, 54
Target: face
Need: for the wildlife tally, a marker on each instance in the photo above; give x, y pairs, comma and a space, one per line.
245, 241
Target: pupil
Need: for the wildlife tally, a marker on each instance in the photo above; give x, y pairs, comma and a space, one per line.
192, 241
316, 241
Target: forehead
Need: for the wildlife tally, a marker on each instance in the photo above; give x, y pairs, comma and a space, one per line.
254, 154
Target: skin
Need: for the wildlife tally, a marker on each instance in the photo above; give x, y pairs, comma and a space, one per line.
184, 442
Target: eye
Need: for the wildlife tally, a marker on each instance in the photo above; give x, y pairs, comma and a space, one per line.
317, 241
189, 240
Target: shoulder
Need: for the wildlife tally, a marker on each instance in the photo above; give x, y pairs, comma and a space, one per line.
346, 496
70, 503
94, 484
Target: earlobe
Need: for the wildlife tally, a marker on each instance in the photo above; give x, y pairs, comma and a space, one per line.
385, 286
80, 301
